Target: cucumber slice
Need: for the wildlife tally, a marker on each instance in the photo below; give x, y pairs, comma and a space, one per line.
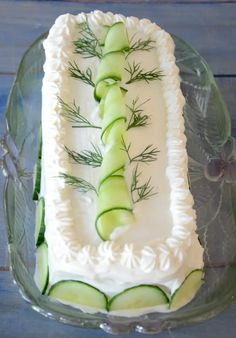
102, 87
138, 297
40, 224
114, 160
101, 90
111, 67
187, 290
116, 38
41, 274
78, 293
40, 142
114, 109
123, 90
112, 219
101, 108
120, 172
103, 35
114, 206
115, 133
37, 169
114, 99
114, 130
37, 180
113, 194
106, 130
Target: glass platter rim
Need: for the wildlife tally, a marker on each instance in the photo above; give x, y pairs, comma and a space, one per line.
189, 320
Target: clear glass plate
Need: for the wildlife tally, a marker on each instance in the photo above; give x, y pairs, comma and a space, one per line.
212, 174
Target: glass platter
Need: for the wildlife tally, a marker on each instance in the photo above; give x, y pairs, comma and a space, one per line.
212, 172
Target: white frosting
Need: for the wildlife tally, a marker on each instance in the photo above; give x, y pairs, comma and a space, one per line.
162, 248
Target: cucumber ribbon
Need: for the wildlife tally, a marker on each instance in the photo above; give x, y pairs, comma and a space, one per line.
114, 201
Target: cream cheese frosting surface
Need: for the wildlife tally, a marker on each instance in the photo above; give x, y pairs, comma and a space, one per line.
161, 247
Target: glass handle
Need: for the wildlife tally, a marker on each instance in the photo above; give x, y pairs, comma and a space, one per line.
9, 157
223, 166
116, 328
150, 327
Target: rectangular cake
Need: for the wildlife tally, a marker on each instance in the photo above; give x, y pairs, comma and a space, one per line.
115, 220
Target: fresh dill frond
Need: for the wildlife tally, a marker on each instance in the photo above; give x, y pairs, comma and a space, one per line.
136, 73
72, 114
126, 148
87, 45
137, 118
85, 76
147, 155
142, 45
78, 183
92, 158
140, 192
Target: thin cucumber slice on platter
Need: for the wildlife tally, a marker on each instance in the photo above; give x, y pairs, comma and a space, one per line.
78, 293
41, 275
187, 290
138, 297
37, 179
37, 169
40, 224
40, 143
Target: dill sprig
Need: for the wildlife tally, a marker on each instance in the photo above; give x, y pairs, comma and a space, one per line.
137, 118
138, 74
78, 183
85, 76
87, 45
72, 114
147, 155
92, 158
140, 192
142, 45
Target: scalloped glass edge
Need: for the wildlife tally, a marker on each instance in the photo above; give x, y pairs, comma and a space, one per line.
151, 323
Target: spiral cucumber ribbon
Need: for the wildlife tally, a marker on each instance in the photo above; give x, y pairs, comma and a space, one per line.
114, 200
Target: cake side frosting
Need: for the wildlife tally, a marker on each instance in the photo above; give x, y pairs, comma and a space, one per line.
164, 262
